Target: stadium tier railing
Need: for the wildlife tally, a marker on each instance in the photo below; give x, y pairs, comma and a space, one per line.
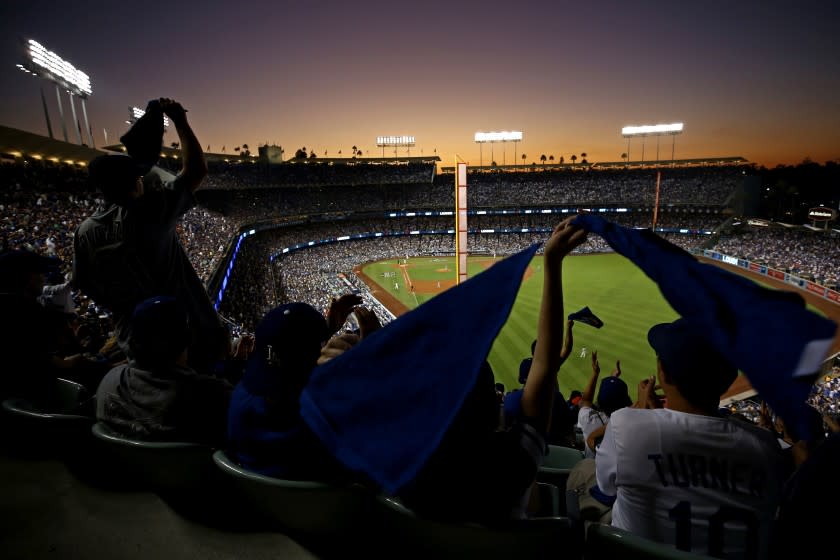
781, 276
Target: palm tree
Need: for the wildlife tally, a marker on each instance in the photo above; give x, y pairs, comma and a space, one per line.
551, 159
355, 149
523, 159
542, 159
624, 156
574, 159
562, 160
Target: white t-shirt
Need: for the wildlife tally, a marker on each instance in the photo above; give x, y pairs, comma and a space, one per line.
589, 420
687, 479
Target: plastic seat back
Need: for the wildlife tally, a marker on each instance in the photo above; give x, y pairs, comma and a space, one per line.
307, 508
605, 542
164, 466
410, 536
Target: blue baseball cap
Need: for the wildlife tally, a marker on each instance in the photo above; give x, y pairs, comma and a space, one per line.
287, 342
690, 360
159, 330
613, 394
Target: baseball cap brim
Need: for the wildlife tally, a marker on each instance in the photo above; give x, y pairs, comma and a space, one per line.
115, 168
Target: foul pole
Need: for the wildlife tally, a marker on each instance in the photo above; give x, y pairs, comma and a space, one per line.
461, 251
656, 203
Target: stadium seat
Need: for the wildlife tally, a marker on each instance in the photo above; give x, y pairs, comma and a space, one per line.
69, 395
410, 536
327, 515
51, 427
605, 542
560, 457
172, 468
557, 466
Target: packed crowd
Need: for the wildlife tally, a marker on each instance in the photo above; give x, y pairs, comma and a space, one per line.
814, 255
42, 203
309, 173
710, 188
413, 419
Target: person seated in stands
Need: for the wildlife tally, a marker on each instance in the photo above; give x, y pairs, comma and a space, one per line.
594, 416
562, 430
683, 474
480, 474
156, 395
266, 432
809, 494
29, 337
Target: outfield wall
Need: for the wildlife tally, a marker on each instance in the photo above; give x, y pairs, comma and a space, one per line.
792, 279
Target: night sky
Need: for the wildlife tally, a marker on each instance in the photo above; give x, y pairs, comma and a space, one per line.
754, 79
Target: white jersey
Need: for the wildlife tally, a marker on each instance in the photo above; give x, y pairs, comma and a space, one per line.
703, 483
589, 420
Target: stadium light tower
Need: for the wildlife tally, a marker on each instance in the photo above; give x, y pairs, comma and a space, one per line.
657, 130
395, 142
46, 64
491, 138
134, 113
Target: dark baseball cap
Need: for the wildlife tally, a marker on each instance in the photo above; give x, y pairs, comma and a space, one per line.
115, 174
159, 329
17, 265
613, 394
690, 360
287, 343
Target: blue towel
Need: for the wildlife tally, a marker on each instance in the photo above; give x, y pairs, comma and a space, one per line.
383, 407
768, 334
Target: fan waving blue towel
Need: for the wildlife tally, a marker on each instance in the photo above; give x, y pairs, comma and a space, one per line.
586, 316
383, 407
768, 334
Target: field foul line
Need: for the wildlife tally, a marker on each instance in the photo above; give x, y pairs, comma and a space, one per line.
408, 283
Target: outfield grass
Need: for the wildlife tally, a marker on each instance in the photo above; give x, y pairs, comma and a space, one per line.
614, 289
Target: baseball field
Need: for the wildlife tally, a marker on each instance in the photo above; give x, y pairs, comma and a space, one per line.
614, 289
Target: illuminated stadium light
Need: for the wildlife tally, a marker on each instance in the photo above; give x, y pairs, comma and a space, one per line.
652, 129
44, 63
657, 130
503, 136
136, 112
395, 141
51, 66
491, 138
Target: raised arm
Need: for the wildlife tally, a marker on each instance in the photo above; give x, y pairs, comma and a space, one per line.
194, 167
549, 354
588, 395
